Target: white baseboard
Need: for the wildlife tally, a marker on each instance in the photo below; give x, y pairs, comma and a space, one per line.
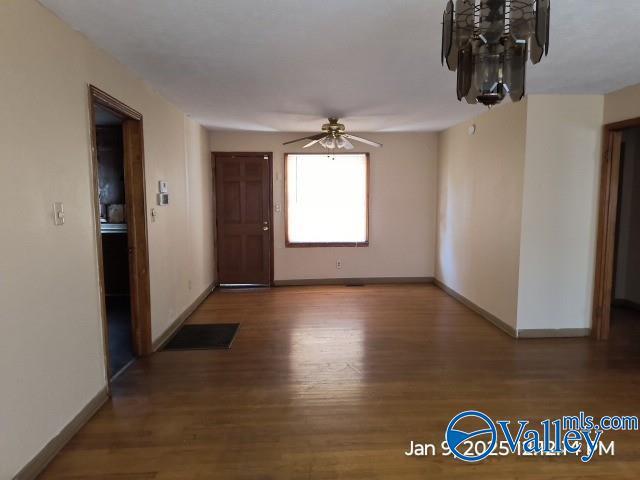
51, 449
523, 333
177, 323
352, 281
505, 327
554, 333
38, 463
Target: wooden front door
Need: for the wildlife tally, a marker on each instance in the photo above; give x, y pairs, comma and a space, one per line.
243, 206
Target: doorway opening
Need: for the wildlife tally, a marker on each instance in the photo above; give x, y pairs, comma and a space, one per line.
114, 235
617, 288
244, 243
121, 230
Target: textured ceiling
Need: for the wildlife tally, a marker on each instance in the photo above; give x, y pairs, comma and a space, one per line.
285, 65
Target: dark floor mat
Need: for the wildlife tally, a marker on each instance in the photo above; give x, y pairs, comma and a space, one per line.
203, 337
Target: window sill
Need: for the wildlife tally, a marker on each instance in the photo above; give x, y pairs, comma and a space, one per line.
327, 244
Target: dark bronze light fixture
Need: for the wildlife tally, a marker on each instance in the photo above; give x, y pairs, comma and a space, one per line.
489, 42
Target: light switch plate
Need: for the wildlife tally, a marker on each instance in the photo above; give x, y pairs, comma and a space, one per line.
58, 213
163, 187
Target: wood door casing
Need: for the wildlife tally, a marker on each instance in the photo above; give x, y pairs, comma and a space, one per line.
607, 223
243, 218
135, 193
606, 243
133, 164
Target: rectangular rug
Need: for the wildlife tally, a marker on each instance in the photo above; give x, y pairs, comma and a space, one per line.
203, 337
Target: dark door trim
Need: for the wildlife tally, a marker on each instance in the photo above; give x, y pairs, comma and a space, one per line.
608, 218
135, 192
215, 155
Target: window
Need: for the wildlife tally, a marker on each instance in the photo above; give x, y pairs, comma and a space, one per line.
327, 200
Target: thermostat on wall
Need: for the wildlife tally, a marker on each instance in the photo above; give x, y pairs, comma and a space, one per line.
163, 199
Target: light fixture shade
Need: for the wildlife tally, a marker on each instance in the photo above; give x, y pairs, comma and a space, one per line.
515, 71
465, 70
492, 20
464, 21
347, 144
543, 13
448, 39
489, 42
328, 142
522, 20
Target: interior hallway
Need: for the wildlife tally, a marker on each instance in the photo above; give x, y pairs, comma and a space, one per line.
625, 327
334, 382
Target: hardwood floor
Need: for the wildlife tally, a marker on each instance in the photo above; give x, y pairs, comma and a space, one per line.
334, 382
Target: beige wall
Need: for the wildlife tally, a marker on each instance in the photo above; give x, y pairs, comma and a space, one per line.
401, 215
51, 346
200, 209
479, 209
560, 204
622, 105
518, 211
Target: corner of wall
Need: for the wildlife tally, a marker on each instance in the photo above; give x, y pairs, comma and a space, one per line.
559, 212
622, 104
480, 177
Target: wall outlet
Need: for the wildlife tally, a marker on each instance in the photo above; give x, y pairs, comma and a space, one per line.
338, 264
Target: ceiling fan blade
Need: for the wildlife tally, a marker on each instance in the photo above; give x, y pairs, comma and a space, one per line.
312, 137
363, 140
312, 143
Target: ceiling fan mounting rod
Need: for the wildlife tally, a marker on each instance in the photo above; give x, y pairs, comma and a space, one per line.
333, 127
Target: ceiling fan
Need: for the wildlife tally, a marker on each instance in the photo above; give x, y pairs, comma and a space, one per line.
334, 135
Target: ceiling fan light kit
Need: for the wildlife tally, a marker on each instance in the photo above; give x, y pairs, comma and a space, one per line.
334, 136
489, 42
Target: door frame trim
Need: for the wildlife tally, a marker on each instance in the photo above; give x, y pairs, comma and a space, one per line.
137, 226
271, 229
607, 222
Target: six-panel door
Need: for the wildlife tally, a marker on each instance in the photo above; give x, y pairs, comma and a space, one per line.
243, 201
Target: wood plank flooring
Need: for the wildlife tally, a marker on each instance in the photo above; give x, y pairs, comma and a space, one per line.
334, 382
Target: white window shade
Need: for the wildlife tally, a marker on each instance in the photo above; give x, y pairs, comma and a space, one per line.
327, 199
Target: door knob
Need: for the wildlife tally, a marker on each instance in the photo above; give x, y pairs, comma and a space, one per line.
265, 228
